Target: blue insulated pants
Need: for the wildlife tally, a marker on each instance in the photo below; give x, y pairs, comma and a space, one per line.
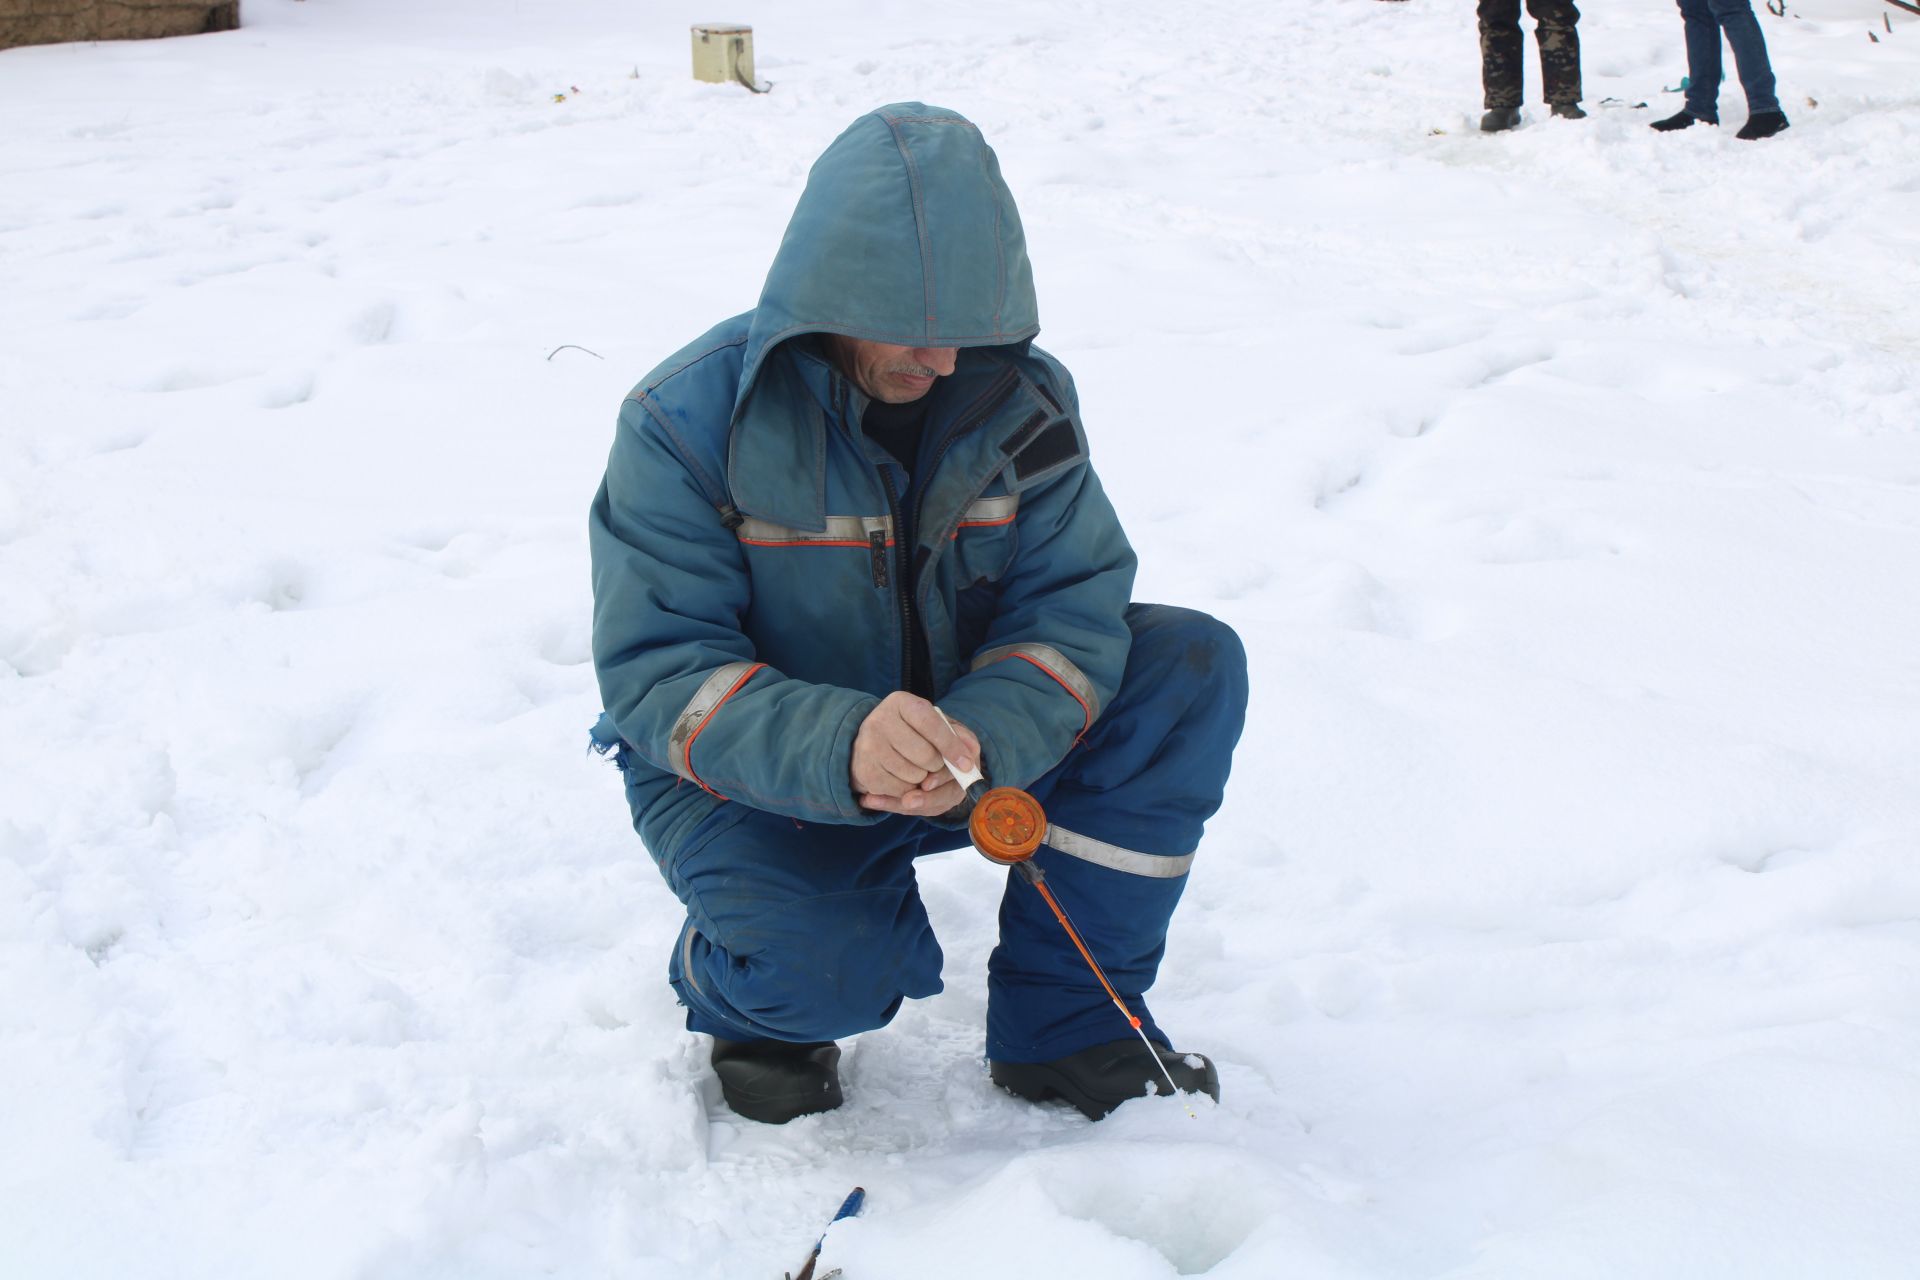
1704, 21
816, 932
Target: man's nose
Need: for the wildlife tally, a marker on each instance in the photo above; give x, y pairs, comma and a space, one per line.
938, 359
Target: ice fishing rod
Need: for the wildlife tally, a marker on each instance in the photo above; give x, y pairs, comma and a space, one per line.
1008, 826
848, 1208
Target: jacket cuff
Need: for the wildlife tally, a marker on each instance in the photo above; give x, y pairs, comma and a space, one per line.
1010, 759
839, 765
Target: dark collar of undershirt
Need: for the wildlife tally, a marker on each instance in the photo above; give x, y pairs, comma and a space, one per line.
896, 428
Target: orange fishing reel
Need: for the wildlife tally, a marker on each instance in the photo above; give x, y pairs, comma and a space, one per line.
1007, 825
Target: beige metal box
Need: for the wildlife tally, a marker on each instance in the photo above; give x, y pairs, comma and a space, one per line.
723, 53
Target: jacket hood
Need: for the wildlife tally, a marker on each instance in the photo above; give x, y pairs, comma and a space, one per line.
906, 234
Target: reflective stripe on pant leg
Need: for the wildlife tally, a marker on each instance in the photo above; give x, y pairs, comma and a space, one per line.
1112, 856
688, 936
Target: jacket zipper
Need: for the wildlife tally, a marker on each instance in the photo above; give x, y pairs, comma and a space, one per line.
877, 541
902, 576
877, 556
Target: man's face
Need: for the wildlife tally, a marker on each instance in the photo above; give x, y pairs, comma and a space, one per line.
890, 374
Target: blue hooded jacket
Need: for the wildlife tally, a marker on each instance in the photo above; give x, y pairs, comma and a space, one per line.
750, 600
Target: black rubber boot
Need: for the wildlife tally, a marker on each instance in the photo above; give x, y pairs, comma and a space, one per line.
1681, 119
1499, 119
1569, 111
1762, 124
772, 1081
1099, 1079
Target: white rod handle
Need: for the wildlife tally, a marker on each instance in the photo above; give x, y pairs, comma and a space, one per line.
967, 778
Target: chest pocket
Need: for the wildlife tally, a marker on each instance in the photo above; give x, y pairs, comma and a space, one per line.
984, 542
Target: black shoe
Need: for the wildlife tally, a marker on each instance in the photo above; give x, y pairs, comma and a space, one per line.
1569, 111
1762, 124
772, 1081
1499, 119
1099, 1079
1681, 119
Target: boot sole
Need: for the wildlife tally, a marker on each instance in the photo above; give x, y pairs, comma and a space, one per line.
780, 1108
1044, 1082
1038, 1082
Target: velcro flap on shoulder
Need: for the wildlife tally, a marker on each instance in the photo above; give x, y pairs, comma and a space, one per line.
1045, 445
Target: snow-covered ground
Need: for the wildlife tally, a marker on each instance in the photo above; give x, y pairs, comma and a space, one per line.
1564, 915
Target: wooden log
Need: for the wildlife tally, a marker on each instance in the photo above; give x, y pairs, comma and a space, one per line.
25, 22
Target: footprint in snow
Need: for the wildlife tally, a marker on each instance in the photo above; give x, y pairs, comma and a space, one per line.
1527, 539
1445, 338
1335, 484
1344, 594
566, 644
1502, 365
283, 391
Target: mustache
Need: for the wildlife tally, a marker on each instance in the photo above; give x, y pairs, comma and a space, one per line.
915, 370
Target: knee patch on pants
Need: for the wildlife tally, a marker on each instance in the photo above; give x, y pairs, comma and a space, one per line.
818, 968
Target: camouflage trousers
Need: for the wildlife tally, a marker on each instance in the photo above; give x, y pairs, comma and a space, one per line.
1503, 49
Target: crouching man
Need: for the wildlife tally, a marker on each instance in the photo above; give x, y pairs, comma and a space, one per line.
864, 499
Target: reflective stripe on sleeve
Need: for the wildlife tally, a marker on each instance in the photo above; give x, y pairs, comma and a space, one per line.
858, 531
841, 531
1055, 664
990, 511
1102, 854
713, 691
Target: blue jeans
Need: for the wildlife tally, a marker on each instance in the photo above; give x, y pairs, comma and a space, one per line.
806, 932
1705, 20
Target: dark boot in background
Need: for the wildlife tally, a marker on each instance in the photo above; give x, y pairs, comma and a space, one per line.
1500, 119
1762, 124
1681, 119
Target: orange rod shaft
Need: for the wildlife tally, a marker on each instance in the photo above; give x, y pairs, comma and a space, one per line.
1086, 955
1034, 877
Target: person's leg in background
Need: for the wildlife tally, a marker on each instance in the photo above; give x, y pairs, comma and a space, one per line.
1557, 31
1755, 68
1703, 68
1502, 64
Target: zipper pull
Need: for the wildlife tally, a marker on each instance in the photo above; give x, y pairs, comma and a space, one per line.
877, 547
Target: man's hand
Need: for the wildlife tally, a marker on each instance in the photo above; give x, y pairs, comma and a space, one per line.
900, 757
